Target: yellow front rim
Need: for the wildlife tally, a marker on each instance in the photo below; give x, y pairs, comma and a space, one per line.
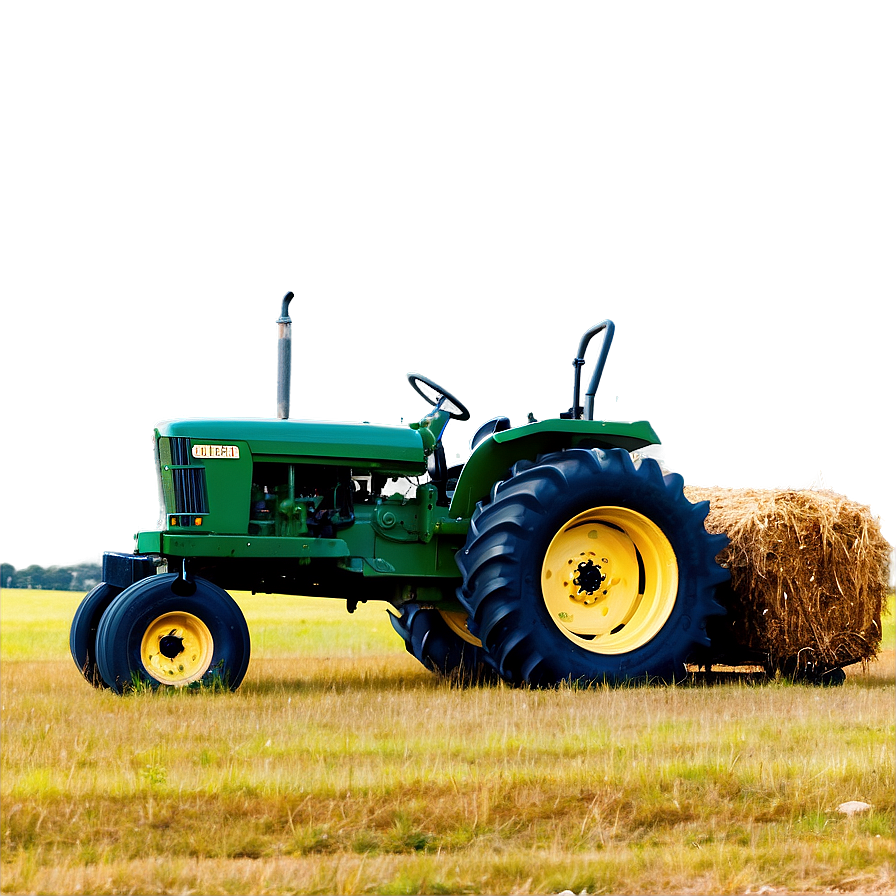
610, 580
177, 648
457, 622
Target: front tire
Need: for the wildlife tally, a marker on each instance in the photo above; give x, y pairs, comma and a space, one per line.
164, 631
82, 637
588, 567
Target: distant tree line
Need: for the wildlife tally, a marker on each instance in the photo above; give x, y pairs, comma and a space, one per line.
53, 578
84, 574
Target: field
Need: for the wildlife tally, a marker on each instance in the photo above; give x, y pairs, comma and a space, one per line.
342, 766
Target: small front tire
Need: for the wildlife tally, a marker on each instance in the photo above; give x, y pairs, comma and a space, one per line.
82, 637
164, 631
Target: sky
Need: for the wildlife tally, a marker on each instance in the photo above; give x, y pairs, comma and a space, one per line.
455, 189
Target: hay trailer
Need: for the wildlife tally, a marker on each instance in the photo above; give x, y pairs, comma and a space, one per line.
554, 554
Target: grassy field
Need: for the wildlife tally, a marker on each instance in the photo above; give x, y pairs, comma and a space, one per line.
342, 766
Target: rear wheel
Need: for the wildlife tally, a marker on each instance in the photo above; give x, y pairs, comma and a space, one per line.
441, 641
82, 637
588, 567
164, 631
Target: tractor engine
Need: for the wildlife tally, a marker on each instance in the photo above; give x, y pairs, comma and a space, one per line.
303, 499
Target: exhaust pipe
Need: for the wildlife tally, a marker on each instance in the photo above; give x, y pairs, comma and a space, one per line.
284, 358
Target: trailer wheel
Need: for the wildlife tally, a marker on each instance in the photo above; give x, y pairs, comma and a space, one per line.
807, 672
441, 641
82, 637
165, 632
588, 567
831, 678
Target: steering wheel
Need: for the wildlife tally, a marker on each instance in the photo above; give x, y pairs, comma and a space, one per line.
455, 409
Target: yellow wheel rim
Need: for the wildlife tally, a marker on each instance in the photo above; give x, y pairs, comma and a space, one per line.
177, 648
610, 580
457, 622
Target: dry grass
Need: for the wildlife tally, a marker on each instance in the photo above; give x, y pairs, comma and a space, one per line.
363, 773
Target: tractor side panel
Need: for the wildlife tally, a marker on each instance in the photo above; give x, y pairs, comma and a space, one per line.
409, 560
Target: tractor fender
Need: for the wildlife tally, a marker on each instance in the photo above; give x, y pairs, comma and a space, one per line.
493, 457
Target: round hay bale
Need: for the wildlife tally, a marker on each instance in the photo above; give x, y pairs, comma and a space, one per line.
809, 574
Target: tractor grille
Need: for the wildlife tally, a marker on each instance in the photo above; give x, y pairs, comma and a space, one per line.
183, 484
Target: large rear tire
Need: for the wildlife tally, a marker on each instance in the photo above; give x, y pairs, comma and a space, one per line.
588, 567
167, 632
82, 637
441, 641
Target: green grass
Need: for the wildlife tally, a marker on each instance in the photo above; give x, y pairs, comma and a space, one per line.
888, 632
35, 625
342, 766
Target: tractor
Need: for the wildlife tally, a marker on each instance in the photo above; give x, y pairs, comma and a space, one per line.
556, 553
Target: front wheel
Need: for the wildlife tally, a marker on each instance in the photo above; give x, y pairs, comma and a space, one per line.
164, 631
82, 637
586, 567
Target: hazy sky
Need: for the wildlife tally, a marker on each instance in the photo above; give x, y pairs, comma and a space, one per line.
460, 189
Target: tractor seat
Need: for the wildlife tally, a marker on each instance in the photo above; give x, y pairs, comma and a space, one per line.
444, 477
496, 424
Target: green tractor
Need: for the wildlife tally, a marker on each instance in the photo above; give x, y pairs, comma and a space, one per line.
554, 554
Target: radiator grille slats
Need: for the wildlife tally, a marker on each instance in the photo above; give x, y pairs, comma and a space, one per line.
187, 493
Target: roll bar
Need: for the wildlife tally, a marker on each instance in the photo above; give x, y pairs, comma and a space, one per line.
576, 411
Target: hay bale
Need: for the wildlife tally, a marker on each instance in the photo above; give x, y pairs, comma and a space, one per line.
809, 574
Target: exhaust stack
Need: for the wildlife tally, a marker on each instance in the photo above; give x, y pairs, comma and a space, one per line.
284, 358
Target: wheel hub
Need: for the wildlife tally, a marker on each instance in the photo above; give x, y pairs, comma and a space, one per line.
609, 579
589, 578
177, 648
171, 645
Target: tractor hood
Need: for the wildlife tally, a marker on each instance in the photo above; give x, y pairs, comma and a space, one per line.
392, 447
